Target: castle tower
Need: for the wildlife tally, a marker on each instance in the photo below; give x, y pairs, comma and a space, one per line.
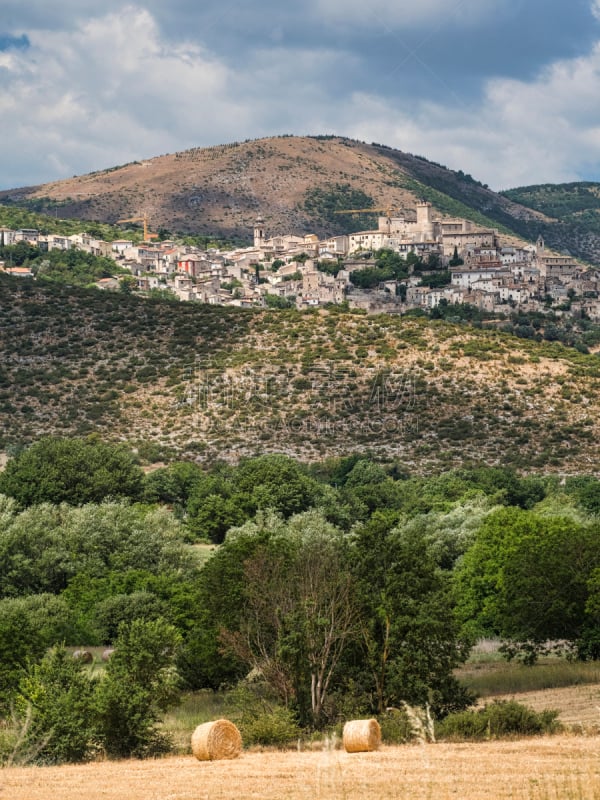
259, 233
424, 220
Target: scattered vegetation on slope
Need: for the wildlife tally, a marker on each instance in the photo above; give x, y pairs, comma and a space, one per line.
214, 382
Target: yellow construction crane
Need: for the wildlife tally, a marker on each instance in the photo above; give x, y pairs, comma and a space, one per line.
144, 219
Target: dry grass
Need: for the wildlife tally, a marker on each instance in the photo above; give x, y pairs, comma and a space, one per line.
579, 706
555, 767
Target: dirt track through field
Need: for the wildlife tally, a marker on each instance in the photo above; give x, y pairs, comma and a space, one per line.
546, 768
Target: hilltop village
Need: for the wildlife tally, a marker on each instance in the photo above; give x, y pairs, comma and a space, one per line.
449, 261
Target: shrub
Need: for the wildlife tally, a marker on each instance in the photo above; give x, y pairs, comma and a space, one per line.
261, 720
140, 682
277, 727
75, 471
396, 727
498, 719
56, 699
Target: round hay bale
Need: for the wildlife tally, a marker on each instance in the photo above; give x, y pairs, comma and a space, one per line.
84, 656
106, 654
214, 740
361, 735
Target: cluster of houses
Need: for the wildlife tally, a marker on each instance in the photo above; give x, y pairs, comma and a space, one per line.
491, 276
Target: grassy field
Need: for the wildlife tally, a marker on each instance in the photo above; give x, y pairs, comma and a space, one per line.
558, 767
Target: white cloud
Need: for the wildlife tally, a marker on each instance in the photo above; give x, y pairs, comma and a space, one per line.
114, 90
109, 92
596, 8
546, 130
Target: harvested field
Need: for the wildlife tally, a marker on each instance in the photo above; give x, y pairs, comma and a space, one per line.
578, 706
545, 768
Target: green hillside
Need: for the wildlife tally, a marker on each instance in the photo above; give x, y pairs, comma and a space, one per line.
573, 212
212, 383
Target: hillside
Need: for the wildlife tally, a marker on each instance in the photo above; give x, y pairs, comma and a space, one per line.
573, 215
211, 383
295, 183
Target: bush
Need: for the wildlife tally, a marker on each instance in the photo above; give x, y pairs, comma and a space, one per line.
498, 719
75, 471
140, 682
277, 727
396, 727
55, 705
20, 643
261, 720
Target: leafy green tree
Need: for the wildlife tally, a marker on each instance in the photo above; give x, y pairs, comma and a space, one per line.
448, 534
276, 482
215, 504
214, 515
98, 605
140, 684
276, 301
526, 577
118, 609
220, 603
410, 639
48, 615
173, 484
586, 490
58, 696
436, 280
456, 260
44, 547
365, 472
75, 471
370, 277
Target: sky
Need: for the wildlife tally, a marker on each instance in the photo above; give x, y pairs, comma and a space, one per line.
506, 90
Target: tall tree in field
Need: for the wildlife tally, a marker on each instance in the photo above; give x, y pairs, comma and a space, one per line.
298, 613
410, 641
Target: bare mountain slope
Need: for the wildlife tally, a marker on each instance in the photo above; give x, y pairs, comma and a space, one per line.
295, 183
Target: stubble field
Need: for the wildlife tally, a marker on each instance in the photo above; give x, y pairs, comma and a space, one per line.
562, 767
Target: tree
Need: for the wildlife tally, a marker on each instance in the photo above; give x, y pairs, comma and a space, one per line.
220, 606
298, 611
44, 547
127, 283
526, 577
140, 684
410, 642
213, 516
215, 504
276, 301
173, 484
276, 482
75, 471
20, 642
456, 260
116, 609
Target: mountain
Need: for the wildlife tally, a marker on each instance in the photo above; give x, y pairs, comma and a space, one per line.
186, 379
295, 183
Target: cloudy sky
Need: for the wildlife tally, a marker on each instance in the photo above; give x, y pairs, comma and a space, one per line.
507, 90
